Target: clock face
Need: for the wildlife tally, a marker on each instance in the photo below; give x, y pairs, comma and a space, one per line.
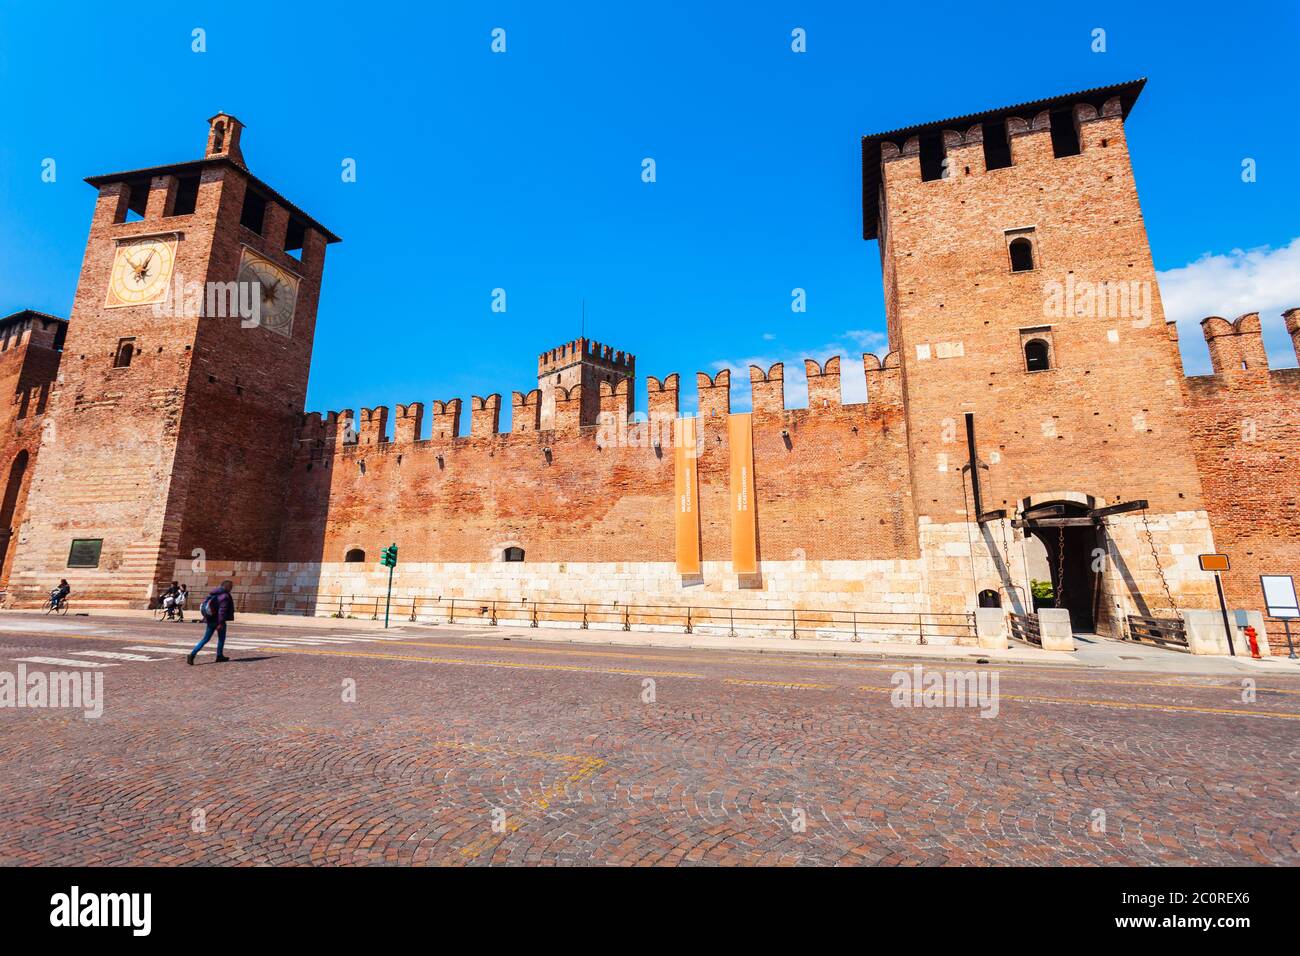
275, 290
141, 270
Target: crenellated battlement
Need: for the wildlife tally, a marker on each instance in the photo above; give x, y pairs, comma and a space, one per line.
768, 389
823, 383
1024, 135
614, 402
526, 411
1237, 348
485, 415
663, 398
372, 427
588, 350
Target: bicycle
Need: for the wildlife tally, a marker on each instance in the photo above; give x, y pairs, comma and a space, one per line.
51, 607
167, 613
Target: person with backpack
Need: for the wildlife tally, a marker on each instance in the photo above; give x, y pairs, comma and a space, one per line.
217, 609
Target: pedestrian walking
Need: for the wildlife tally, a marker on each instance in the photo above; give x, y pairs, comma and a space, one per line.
217, 610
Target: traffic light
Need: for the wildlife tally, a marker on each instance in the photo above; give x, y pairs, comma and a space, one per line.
389, 557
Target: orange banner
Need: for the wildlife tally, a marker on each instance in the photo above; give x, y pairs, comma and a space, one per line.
744, 526
686, 485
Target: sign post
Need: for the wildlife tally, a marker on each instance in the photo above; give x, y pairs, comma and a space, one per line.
1280, 602
389, 560
1217, 563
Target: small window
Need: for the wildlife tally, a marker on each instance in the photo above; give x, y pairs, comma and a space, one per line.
932, 158
990, 598
125, 352
1065, 135
294, 237
355, 556
254, 211
84, 552
1037, 356
513, 554
1022, 254
137, 201
187, 196
997, 148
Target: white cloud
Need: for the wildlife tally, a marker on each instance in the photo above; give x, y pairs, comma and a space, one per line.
1263, 280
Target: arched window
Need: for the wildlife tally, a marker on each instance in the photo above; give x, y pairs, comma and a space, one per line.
219, 140
513, 554
1022, 255
1036, 356
355, 556
125, 352
990, 598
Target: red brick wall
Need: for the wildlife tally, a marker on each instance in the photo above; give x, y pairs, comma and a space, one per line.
29, 365
836, 488
1245, 425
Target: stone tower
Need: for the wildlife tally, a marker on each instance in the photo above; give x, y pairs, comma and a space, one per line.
586, 363
183, 375
1020, 288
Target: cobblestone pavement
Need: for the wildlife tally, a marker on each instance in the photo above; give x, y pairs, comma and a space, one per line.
467, 750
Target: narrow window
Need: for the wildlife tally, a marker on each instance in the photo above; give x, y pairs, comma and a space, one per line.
294, 237
997, 149
137, 201
1065, 135
125, 352
932, 165
1022, 255
355, 556
1037, 356
187, 196
219, 137
254, 211
513, 554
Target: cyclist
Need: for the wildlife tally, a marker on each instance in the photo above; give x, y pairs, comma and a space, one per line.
60, 594
169, 600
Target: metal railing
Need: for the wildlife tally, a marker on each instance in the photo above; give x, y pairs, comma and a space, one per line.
1160, 630
798, 623
1024, 627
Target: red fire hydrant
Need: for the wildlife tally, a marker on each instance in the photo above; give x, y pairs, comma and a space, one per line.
1254, 644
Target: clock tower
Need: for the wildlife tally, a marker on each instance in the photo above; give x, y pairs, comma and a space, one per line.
170, 435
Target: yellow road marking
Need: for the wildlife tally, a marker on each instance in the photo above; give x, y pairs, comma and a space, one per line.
777, 683
1128, 705
533, 810
1017, 669
468, 663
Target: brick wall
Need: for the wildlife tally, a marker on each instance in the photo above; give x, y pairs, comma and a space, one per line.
1245, 424
834, 485
29, 364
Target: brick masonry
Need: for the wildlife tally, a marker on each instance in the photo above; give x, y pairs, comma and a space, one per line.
196, 461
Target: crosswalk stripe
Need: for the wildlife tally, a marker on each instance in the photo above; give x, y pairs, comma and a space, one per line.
61, 662
116, 656
161, 650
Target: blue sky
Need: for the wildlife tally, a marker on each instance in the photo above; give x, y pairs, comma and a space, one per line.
522, 170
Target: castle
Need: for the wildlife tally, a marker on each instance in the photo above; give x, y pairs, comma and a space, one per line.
1032, 412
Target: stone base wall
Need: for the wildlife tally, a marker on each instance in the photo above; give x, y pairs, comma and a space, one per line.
878, 599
